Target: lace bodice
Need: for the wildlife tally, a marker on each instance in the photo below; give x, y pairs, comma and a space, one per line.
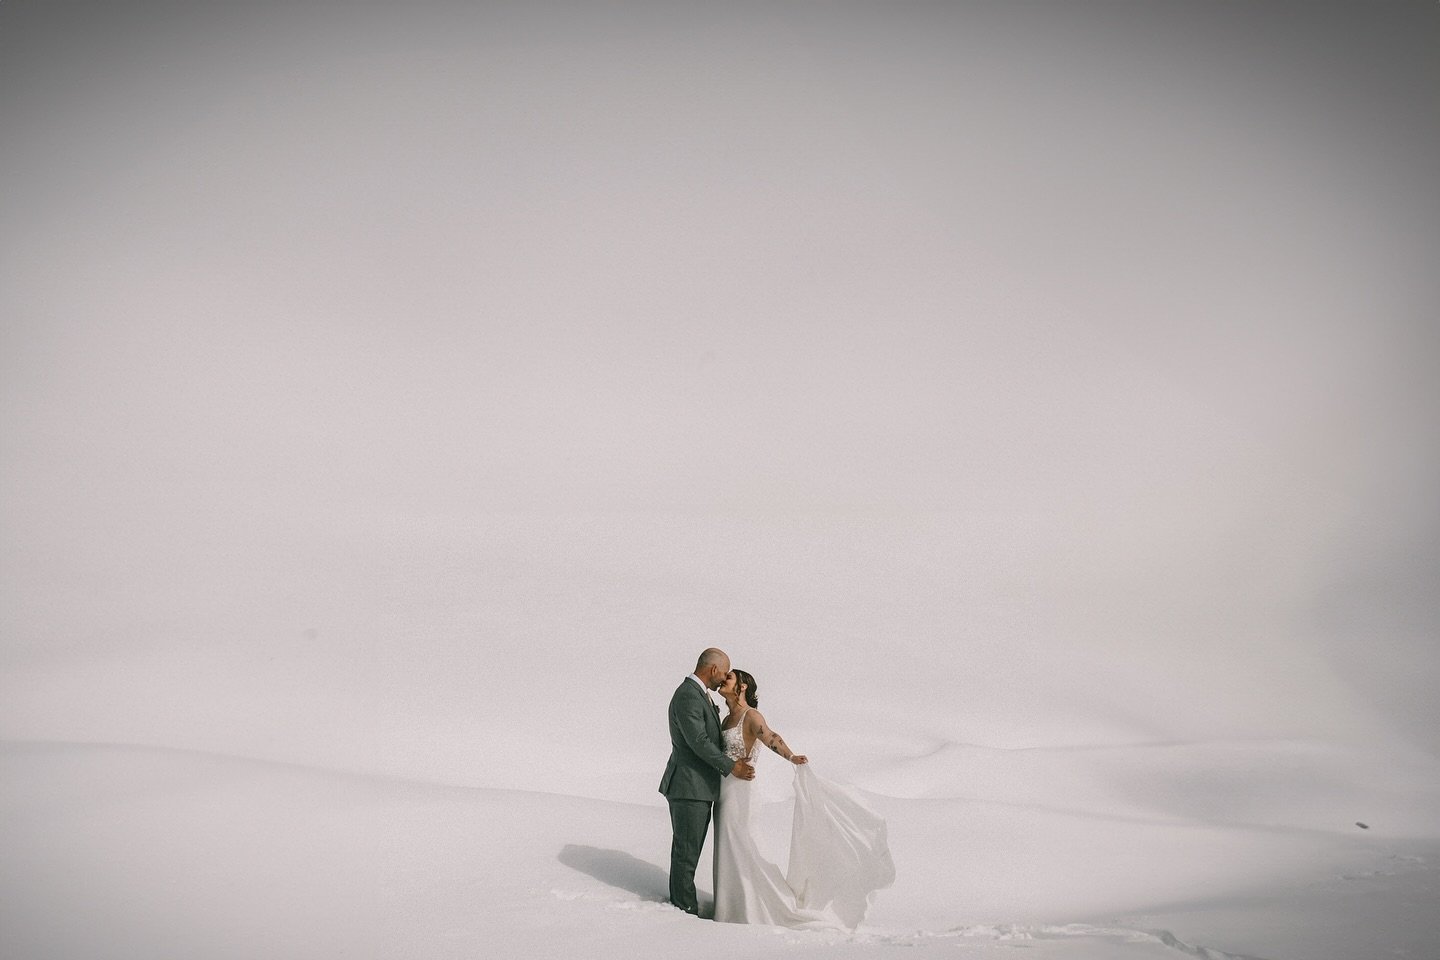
734, 739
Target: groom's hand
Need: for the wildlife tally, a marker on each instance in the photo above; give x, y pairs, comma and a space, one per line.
742, 770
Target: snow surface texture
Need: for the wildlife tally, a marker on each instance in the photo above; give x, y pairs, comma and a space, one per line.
1038, 399
140, 852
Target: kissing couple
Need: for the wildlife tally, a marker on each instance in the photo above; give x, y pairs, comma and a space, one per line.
839, 851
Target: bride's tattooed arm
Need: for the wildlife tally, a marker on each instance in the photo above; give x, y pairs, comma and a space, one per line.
776, 742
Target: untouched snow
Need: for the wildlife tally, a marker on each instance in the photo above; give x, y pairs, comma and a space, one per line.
118, 852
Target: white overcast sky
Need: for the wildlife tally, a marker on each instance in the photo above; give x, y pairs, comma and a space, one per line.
1139, 297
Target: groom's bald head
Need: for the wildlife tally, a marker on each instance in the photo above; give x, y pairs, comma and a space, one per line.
714, 657
712, 666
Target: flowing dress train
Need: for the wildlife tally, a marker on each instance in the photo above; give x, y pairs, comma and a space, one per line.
839, 854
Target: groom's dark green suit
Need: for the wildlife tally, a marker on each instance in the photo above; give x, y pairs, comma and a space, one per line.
691, 784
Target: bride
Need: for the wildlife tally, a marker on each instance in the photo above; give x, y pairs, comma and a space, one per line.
839, 855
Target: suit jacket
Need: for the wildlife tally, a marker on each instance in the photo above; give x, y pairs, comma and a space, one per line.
697, 754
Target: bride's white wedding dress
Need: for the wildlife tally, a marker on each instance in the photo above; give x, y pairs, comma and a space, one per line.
839, 854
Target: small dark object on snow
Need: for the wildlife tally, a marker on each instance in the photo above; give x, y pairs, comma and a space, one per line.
1362, 826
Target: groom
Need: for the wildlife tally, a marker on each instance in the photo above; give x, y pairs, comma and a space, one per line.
691, 782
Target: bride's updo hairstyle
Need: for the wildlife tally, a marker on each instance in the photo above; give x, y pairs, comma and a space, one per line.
742, 677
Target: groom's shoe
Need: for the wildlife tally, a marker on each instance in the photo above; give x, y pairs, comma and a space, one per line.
693, 911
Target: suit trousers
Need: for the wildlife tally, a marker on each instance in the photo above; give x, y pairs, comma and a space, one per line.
689, 822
